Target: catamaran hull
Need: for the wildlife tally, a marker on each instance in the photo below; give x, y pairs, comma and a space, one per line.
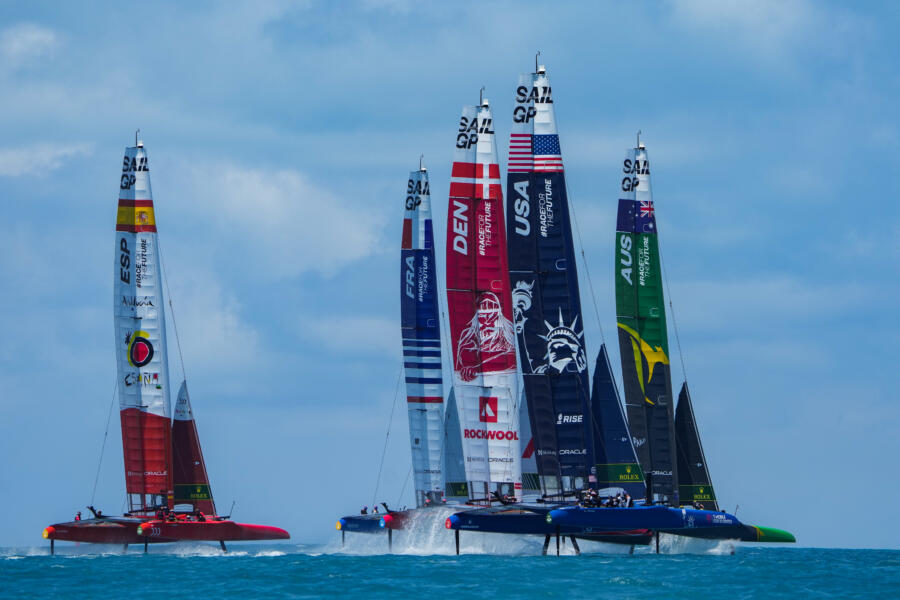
534, 522
137, 531
688, 522
375, 523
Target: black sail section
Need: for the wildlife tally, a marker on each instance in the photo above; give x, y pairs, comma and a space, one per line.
694, 483
616, 462
547, 315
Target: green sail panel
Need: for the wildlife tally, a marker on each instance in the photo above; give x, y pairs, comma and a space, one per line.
641, 323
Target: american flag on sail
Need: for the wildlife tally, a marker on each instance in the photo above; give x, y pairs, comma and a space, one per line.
547, 156
521, 160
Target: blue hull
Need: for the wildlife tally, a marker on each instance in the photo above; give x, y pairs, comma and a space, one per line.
362, 524
681, 521
532, 520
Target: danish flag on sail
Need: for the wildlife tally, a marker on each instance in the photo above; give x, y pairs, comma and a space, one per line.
478, 298
140, 329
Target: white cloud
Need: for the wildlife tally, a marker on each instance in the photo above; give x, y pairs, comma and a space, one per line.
25, 42
37, 158
353, 334
766, 25
282, 221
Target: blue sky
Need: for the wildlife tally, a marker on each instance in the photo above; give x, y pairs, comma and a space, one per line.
280, 136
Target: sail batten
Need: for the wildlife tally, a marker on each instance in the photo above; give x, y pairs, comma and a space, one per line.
643, 339
546, 297
421, 336
479, 309
140, 330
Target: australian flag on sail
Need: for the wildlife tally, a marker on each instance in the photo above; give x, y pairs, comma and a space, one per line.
636, 216
547, 156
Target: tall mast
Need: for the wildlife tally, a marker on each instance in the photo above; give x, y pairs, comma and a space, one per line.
140, 330
421, 333
478, 297
546, 297
641, 320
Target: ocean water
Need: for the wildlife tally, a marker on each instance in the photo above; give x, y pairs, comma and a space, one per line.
489, 567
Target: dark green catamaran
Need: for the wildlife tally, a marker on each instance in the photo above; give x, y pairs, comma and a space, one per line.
641, 322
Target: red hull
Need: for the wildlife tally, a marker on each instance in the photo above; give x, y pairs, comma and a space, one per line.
124, 530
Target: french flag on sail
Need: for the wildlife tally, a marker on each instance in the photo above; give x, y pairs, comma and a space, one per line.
547, 155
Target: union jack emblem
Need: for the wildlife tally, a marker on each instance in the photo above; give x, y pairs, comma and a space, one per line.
646, 208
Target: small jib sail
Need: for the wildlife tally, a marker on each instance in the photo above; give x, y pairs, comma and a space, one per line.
140, 330
478, 298
188, 467
617, 465
546, 299
421, 331
454, 466
694, 482
643, 339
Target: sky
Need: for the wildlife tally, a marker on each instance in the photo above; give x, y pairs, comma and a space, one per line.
280, 136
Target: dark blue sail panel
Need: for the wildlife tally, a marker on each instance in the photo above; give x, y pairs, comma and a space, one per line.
616, 462
418, 299
547, 316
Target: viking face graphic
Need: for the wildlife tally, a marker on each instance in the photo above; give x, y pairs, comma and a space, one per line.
488, 336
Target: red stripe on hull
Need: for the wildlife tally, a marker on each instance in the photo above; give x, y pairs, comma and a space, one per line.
124, 531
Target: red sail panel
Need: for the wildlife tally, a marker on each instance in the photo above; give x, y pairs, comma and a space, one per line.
146, 439
188, 467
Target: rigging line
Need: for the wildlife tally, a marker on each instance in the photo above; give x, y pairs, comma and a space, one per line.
388, 435
103, 445
587, 271
162, 264
662, 264
403, 489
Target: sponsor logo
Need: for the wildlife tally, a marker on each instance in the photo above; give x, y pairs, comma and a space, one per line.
481, 434
139, 348
487, 409
143, 380
638, 442
644, 353
581, 452
138, 301
129, 168
562, 419
503, 460
489, 336
414, 191
469, 130
546, 452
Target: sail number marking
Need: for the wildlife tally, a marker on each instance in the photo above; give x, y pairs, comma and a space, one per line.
124, 261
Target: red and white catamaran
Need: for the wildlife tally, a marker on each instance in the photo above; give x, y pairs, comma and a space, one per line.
169, 497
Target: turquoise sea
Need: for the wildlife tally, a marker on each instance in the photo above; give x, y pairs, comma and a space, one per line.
307, 571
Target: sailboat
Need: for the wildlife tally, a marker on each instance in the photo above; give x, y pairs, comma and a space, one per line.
483, 353
549, 326
423, 369
168, 493
644, 352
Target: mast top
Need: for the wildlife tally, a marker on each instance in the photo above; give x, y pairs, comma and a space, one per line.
539, 69
421, 165
482, 101
639, 146
138, 142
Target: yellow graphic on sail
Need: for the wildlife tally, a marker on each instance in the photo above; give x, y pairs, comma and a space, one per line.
652, 355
